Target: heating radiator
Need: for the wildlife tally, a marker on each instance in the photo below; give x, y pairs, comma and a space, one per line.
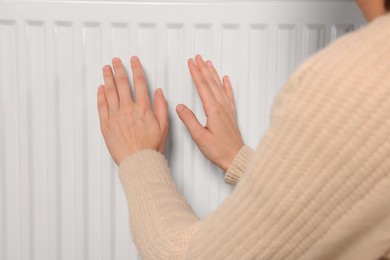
60, 196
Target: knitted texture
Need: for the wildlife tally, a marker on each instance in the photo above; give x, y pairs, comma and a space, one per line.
318, 185
239, 165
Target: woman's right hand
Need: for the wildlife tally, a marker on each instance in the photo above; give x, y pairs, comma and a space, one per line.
220, 139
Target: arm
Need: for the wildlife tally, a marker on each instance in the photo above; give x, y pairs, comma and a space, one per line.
161, 221
317, 195
135, 137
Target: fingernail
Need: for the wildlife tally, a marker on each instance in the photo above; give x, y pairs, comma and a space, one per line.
116, 60
191, 61
199, 57
159, 92
106, 67
180, 108
209, 63
134, 58
227, 78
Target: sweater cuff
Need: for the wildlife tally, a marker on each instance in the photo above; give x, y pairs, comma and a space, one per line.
143, 167
239, 165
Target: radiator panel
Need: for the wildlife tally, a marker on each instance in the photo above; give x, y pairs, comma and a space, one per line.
60, 196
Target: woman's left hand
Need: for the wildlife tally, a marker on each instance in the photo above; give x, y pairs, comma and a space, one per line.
129, 124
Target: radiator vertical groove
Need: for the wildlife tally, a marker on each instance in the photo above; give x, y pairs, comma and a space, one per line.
39, 137
10, 189
53, 169
84, 141
65, 38
93, 39
57, 182
79, 149
3, 192
23, 250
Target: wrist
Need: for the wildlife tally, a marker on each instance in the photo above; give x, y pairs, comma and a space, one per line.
229, 158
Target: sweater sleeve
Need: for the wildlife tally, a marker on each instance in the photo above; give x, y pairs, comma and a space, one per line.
156, 207
161, 221
318, 184
239, 165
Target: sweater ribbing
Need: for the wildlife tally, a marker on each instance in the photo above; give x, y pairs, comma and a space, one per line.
239, 165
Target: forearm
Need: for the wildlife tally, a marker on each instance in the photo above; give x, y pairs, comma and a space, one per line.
161, 221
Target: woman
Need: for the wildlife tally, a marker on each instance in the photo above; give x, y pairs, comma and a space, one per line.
318, 186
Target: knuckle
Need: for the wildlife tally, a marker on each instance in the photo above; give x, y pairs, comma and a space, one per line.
121, 79
111, 88
125, 106
138, 77
143, 111
217, 109
125, 113
114, 120
212, 108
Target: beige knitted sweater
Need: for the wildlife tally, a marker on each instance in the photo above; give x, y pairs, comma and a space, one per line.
318, 185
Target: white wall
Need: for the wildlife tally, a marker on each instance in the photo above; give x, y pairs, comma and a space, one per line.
60, 197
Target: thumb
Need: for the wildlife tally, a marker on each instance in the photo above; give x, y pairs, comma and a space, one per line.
190, 121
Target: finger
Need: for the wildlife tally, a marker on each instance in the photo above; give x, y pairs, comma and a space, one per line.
214, 73
140, 86
161, 107
229, 91
110, 89
204, 69
221, 90
204, 91
122, 82
102, 104
212, 84
190, 121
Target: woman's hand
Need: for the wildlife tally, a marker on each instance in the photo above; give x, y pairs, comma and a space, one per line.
129, 124
220, 139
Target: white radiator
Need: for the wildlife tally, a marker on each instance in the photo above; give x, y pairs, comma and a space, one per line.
60, 196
